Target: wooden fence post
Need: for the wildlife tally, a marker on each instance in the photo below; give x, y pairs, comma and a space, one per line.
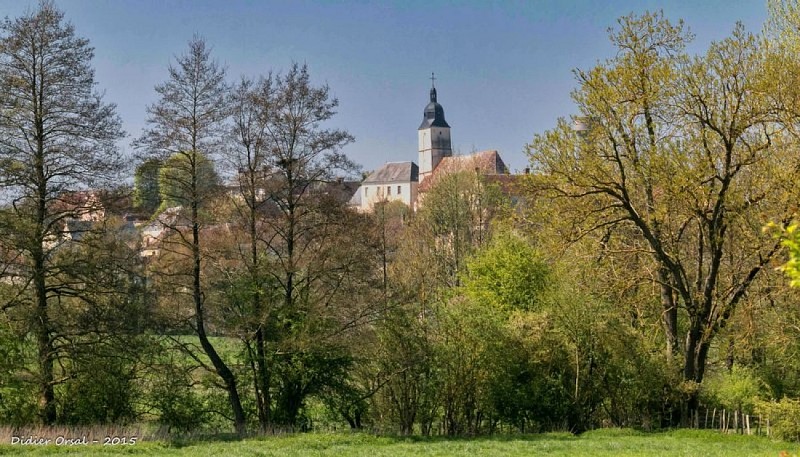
725, 422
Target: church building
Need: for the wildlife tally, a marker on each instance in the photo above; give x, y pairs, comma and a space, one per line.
404, 181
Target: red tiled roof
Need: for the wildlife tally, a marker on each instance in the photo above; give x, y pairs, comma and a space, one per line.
487, 163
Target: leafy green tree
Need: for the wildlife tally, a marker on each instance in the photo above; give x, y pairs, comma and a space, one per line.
681, 162
406, 362
791, 242
175, 181
424, 341
737, 390
146, 193
507, 274
57, 136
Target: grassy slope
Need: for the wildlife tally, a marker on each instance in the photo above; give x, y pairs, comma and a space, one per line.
598, 443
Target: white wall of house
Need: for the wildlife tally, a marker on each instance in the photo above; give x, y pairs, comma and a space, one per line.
372, 193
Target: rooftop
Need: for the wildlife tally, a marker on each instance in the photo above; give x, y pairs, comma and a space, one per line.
486, 163
394, 172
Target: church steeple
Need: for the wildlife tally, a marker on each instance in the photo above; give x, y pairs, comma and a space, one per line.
434, 113
434, 136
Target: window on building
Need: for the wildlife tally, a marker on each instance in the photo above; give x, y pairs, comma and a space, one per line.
366, 191
388, 190
399, 190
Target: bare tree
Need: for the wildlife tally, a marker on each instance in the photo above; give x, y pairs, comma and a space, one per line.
56, 136
185, 128
303, 255
249, 155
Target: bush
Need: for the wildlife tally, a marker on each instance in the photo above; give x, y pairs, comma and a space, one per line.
783, 417
738, 389
179, 406
102, 390
17, 405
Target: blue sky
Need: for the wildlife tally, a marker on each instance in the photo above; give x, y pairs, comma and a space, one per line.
503, 69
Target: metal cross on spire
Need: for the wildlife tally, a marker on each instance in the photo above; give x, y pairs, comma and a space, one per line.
433, 78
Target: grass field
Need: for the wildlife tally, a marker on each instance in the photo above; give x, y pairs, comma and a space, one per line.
612, 442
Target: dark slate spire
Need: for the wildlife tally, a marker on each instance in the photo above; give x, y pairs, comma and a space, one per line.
434, 113
433, 89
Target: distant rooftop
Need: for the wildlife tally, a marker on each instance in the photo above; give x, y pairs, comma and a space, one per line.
486, 163
394, 172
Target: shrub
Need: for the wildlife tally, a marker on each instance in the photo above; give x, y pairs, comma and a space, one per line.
783, 416
179, 406
101, 391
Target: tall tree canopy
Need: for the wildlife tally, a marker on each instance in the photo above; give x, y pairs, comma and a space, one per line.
185, 130
682, 160
57, 135
284, 148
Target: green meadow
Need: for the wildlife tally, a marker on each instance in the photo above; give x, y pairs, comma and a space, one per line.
608, 442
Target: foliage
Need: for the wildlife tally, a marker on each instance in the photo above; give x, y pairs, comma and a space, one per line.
529, 380
467, 342
455, 220
790, 240
738, 389
782, 23
673, 176
508, 274
178, 405
784, 417
102, 391
146, 192
405, 355
17, 397
57, 136
175, 179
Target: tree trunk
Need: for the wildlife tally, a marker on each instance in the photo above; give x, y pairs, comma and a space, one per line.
44, 346
694, 366
263, 382
222, 369
44, 342
670, 313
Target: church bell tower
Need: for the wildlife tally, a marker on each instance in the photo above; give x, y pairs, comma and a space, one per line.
434, 136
